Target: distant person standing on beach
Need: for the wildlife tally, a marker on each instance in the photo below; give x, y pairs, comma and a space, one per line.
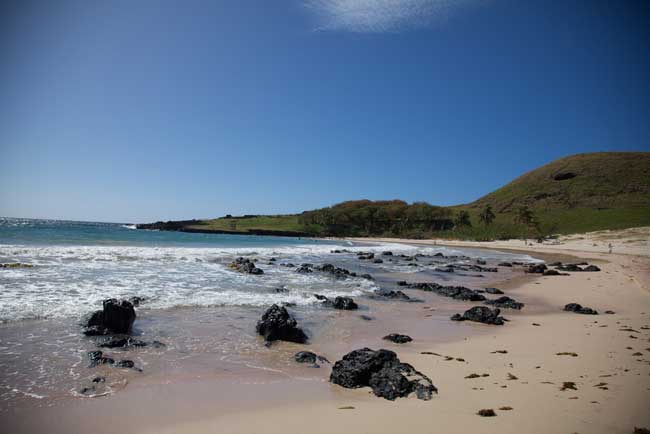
610, 247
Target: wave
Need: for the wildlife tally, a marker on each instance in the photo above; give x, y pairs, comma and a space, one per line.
68, 281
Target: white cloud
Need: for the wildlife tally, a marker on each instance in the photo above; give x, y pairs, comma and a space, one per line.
377, 16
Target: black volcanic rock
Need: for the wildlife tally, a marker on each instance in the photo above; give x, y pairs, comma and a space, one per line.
536, 268
577, 308
505, 302
245, 265
495, 291
481, 314
383, 372
569, 267
309, 357
277, 324
591, 268
116, 317
455, 292
395, 295
97, 358
397, 338
341, 303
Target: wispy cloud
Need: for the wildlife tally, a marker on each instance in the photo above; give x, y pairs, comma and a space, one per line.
377, 16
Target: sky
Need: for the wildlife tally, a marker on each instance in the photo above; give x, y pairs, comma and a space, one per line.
140, 111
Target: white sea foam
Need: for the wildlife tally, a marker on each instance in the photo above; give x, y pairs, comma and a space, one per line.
73, 280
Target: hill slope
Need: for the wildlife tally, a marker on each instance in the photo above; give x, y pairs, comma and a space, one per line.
598, 181
579, 193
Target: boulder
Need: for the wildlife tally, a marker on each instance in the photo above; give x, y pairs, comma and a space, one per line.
551, 273
505, 264
455, 292
277, 324
97, 358
505, 302
569, 267
342, 303
495, 291
116, 317
304, 269
383, 372
397, 338
395, 295
480, 314
309, 357
536, 268
245, 265
136, 300
387, 253
577, 308
591, 268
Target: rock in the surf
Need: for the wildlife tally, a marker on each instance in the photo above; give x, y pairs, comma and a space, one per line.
245, 265
277, 324
116, 317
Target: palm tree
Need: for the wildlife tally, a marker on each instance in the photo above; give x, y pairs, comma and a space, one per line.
487, 216
526, 217
463, 219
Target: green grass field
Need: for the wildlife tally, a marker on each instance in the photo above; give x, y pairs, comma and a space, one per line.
287, 223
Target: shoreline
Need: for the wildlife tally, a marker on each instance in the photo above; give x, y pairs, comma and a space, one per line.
295, 404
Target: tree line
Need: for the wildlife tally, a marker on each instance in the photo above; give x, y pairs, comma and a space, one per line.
379, 218
397, 218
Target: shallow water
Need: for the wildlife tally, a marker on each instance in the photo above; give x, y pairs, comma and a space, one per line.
204, 312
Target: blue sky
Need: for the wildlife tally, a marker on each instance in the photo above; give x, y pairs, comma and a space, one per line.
139, 111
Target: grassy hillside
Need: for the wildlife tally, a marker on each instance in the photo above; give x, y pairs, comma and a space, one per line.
579, 193
286, 223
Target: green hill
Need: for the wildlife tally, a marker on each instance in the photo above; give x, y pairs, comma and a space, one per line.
579, 193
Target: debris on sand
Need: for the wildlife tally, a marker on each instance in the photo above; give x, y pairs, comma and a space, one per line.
568, 385
566, 353
486, 412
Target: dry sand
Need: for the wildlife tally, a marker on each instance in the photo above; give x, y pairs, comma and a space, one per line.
611, 369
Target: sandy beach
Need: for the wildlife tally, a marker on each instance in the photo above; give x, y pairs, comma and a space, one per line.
545, 370
610, 368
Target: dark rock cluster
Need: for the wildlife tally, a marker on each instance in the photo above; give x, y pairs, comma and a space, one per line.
278, 324
116, 317
397, 338
505, 302
577, 308
480, 314
383, 372
245, 265
309, 357
341, 303
455, 292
